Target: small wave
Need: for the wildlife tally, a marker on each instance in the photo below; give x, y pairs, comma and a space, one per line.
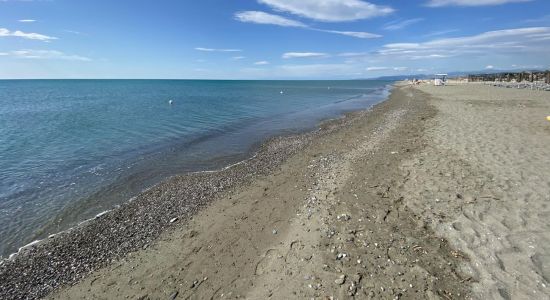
97, 169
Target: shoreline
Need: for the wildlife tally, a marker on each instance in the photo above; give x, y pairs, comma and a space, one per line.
427, 195
82, 223
331, 221
74, 213
270, 154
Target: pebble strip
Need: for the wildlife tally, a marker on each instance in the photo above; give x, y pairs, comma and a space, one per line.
67, 257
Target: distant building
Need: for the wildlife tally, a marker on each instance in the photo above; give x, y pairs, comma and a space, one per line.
526, 76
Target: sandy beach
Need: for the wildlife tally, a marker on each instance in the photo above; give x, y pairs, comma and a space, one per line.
330, 222
435, 193
483, 184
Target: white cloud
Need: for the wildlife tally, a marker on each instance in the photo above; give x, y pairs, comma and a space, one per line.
353, 54
72, 31
297, 71
440, 32
31, 36
429, 56
304, 55
261, 63
531, 39
357, 34
439, 3
46, 54
237, 57
317, 70
260, 17
489, 67
400, 68
330, 10
400, 24
26, 20
375, 69
217, 50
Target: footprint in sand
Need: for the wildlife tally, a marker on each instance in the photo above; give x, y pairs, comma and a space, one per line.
269, 262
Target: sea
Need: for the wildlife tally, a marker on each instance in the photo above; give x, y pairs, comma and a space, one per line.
70, 149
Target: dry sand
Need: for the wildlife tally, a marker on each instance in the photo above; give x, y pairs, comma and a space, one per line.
423, 197
483, 183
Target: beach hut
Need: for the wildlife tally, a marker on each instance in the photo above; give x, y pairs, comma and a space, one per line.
440, 79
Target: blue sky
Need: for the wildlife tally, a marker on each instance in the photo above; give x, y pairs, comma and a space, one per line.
269, 39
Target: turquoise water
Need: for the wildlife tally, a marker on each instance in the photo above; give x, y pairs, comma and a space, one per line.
70, 149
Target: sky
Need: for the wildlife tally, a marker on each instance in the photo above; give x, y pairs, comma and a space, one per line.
269, 39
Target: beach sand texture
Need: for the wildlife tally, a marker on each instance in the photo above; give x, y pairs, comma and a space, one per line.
331, 222
436, 193
483, 182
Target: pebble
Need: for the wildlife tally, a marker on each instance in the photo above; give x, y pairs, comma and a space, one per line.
341, 255
344, 217
108, 239
173, 295
340, 280
352, 290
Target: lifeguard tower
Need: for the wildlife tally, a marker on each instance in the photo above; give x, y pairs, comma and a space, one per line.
440, 79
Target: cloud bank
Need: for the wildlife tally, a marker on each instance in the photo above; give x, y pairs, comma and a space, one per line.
330, 10
260, 17
530, 39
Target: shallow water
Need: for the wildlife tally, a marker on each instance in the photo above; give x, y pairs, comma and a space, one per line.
70, 149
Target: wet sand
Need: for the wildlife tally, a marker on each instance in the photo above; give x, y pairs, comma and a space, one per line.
436, 193
330, 221
68, 257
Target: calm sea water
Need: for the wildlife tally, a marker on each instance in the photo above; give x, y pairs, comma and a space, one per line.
70, 149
